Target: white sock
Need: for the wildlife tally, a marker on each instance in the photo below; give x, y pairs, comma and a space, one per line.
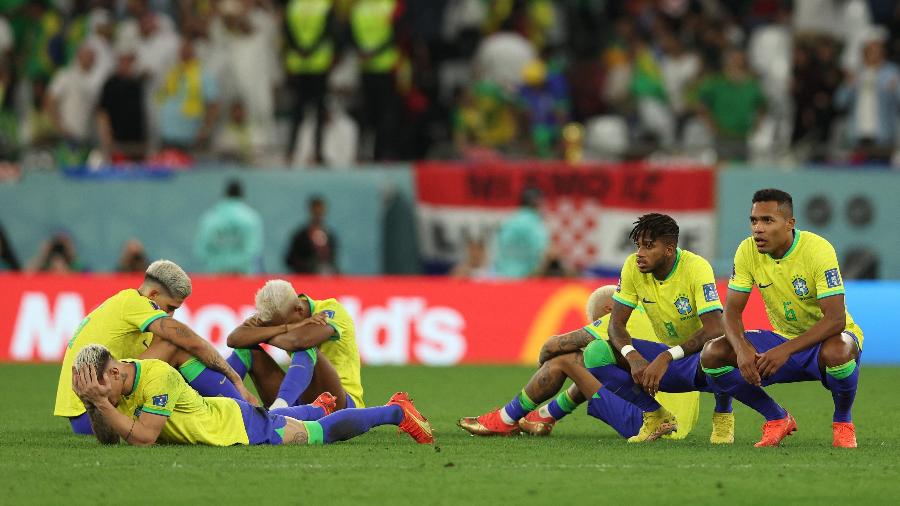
279, 403
506, 418
544, 411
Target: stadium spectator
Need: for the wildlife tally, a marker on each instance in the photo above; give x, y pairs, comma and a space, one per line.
816, 78
476, 265
230, 236
484, 122
522, 241
871, 98
133, 258
8, 259
187, 102
545, 102
236, 139
71, 98
121, 115
57, 255
310, 51
99, 37
338, 138
313, 247
502, 56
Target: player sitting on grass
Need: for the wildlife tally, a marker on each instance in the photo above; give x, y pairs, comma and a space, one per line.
137, 323
815, 338
678, 291
624, 417
319, 335
145, 401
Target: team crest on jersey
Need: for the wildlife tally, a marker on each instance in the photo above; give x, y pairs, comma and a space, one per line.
161, 400
710, 293
154, 305
683, 304
800, 287
329, 313
832, 278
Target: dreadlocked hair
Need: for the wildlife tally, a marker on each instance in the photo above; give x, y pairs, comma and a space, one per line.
655, 226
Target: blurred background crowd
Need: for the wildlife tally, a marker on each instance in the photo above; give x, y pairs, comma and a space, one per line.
331, 83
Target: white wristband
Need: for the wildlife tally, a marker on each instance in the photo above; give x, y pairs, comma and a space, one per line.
676, 352
626, 350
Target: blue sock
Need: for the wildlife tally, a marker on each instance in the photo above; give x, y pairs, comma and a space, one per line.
842, 381
298, 376
723, 403
349, 423
619, 382
302, 412
241, 361
207, 382
623, 416
728, 380
561, 405
520, 406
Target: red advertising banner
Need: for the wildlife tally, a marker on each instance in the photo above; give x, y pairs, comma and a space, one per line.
408, 320
588, 209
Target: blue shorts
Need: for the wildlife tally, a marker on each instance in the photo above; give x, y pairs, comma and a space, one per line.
262, 427
350, 402
682, 374
621, 415
801, 366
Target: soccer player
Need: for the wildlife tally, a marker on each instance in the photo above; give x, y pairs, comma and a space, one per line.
137, 323
815, 338
678, 291
145, 401
280, 313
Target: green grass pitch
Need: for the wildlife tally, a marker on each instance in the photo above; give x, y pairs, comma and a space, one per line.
42, 463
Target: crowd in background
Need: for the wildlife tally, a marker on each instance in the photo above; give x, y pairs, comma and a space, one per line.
340, 82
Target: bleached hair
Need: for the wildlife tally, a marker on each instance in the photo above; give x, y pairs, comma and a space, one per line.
597, 300
95, 356
276, 298
171, 277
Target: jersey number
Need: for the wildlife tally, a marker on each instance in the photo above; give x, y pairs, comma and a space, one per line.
789, 313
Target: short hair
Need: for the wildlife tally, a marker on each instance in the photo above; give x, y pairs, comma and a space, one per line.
655, 226
170, 277
593, 303
234, 189
316, 199
783, 198
530, 197
275, 298
93, 355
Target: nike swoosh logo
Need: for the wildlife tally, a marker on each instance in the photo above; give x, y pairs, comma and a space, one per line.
645, 301
146, 344
765, 286
223, 381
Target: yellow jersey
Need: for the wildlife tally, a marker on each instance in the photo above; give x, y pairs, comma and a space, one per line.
673, 304
161, 390
341, 349
638, 326
792, 285
119, 324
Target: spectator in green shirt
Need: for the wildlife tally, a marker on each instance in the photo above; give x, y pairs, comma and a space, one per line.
230, 236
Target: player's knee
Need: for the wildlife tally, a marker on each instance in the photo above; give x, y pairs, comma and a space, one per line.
715, 353
838, 350
598, 354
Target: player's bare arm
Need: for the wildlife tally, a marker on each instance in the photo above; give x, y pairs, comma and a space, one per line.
734, 333
711, 329
183, 337
619, 338
306, 336
254, 331
833, 322
142, 431
565, 343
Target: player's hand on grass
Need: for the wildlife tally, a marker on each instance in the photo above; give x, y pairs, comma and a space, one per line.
769, 362
247, 395
746, 362
87, 387
638, 365
654, 372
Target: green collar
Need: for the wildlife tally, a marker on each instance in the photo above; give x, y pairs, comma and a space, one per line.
312, 303
791, 249
675, 265
137, 376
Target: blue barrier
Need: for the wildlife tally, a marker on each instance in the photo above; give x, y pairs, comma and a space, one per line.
874, 307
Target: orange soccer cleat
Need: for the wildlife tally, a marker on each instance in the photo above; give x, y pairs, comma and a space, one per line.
488, 424
326, 401
413, 422
537, 425
776, 430
844, 435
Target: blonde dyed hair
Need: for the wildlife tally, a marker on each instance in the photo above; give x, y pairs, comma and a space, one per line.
95, 356
599, 298
276, 298
170, 277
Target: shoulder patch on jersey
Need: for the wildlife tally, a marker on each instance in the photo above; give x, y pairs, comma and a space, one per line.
154, 305
161, 400
329, 313
597, 323
619, 285
832, 278
710, 293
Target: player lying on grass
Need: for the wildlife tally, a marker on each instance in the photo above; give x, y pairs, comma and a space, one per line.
319, 335
137, 323
145, 401
624, 417
815, 339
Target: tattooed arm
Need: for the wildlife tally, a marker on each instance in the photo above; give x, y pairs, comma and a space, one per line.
102, 430
566, 343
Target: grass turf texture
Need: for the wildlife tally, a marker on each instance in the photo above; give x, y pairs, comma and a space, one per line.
584, 460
